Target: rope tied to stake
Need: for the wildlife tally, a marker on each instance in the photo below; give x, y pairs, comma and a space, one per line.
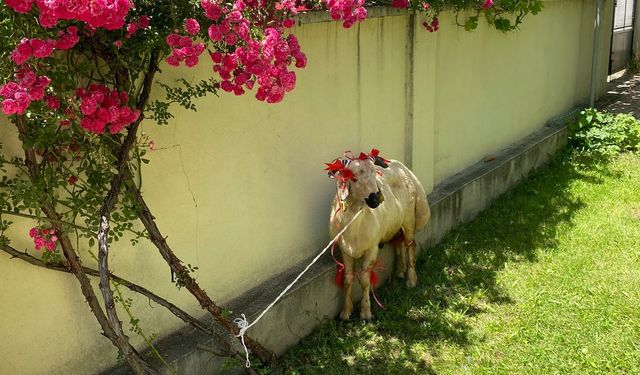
242, 322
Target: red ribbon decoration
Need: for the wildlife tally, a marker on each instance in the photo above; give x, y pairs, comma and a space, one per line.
375, 153
339, 169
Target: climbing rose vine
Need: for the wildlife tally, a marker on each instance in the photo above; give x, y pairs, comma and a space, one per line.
247, 42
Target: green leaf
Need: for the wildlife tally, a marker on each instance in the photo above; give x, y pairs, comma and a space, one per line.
471, 23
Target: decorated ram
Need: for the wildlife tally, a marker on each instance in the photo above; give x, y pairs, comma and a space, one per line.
394, 207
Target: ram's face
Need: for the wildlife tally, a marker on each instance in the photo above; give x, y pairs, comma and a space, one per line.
361, 184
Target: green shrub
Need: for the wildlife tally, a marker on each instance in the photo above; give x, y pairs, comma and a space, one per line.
604, 135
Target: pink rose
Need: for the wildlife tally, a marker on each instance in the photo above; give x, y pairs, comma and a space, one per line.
173, 40
401, 4
143, 22
191, 26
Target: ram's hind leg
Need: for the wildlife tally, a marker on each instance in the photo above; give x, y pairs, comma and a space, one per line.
368, 262
409, 243
401, 259
412, 277
347, 307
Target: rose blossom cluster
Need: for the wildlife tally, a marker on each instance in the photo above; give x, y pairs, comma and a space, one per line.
107, 14
349, 11
67, 39
247, 61
265, 63
183, 49
240, 59
35, 47
18, 95
191, 26
231, 30
400, 4
43, 238
487, 4
52, 102
139, 24
40, 48
212, 10
103, 108
433, 26
278, 79
289, 8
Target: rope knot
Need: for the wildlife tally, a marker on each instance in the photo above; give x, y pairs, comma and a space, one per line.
243, 325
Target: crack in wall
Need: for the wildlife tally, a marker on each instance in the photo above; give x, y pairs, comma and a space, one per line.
195, 203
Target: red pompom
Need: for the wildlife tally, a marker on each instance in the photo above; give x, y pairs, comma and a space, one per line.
339, 281
374, 279
398, 239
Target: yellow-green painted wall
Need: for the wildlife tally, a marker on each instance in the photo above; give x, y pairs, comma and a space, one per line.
238, 186
475, 93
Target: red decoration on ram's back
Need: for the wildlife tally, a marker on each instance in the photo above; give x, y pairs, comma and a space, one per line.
375, 153
378, 160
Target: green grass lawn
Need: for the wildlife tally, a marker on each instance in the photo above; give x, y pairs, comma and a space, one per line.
545, 281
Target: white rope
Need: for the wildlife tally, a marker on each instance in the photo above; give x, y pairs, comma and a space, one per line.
243, 323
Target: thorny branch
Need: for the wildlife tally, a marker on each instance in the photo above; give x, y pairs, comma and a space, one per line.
133, 358
156, 237
105, 212
183, 315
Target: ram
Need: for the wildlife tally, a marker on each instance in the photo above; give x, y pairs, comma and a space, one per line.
391, 204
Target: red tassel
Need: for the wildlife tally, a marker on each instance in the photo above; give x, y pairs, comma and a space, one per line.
339, 281
374, 279
398, 239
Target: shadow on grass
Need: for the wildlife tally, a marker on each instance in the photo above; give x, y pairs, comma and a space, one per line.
457, 279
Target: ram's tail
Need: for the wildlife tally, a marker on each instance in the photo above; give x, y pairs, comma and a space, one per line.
423, 213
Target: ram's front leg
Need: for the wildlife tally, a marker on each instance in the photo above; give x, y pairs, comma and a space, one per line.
368, 262
347, 308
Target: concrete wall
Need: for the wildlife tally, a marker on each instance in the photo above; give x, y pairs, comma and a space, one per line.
492, 88
238, 186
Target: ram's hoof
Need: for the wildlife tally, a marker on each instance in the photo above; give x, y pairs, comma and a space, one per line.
345, 315
412, 279
366, 315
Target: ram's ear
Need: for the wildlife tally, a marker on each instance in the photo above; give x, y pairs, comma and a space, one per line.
380, 162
